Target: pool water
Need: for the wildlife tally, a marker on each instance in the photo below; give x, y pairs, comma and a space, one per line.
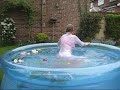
89, 56
37, 67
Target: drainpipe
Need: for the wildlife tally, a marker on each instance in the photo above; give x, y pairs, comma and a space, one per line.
53, 21
41, 14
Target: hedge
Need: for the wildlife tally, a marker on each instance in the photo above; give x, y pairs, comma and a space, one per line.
112, 26
89, 26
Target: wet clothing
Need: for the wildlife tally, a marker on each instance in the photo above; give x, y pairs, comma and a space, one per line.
67, 42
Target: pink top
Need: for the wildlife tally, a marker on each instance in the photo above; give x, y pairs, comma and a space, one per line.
68, 41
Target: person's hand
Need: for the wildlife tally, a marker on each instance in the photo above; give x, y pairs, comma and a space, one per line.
87, 43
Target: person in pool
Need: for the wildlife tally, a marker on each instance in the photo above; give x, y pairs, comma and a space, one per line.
67, 42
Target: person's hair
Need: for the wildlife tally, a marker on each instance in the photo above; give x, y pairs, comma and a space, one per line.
69, 28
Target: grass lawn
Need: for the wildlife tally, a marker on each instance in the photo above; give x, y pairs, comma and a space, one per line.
5, 49
2, 51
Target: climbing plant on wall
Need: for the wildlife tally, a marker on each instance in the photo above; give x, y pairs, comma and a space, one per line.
23, 5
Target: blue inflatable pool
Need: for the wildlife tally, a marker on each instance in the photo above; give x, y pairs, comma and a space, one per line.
35, 67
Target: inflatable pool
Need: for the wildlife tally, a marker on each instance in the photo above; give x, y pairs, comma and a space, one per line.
36, 67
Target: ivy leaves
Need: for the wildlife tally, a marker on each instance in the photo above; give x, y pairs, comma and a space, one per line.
24, 5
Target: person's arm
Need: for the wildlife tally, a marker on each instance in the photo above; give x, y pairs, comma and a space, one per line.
59, 42
81, 43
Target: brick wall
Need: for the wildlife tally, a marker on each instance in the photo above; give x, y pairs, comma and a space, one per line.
117, 10
22, 32
107, 6
65, 12
21, 24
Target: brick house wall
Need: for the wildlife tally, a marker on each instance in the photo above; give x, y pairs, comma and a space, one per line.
64, 11
22, 32
108, 6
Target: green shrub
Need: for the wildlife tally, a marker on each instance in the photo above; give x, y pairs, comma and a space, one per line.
118, 42
8, 31
89, 26
0, 38
41, 38
112, 26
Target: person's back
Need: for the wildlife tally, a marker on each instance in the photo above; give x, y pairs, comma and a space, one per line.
68, 41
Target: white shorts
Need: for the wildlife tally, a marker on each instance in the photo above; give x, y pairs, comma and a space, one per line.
67, 55
64, 54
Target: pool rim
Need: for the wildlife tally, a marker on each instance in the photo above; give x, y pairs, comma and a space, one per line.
56, 69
